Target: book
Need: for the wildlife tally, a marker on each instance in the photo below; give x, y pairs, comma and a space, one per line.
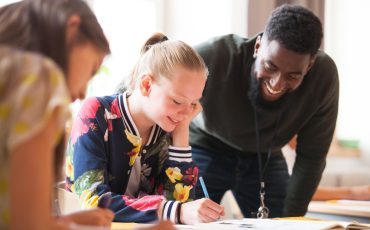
293, 223
341, 207
278, 224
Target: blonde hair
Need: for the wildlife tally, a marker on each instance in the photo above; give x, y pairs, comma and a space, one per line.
160, 57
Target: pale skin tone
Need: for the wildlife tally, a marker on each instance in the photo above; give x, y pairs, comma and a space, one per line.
172, 102
31, 199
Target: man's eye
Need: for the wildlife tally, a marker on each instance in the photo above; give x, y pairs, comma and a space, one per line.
294, 77
268, 68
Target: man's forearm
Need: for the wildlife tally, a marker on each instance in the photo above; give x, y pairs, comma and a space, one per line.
302, 185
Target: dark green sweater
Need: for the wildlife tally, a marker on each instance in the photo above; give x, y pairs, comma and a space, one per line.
226, 124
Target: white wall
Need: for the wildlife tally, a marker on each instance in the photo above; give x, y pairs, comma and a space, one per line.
194, 21
129, 23
347, 36
5, 2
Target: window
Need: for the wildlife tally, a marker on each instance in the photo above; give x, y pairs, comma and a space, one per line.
129, 23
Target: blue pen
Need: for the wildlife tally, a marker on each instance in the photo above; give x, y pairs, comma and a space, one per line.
203, 187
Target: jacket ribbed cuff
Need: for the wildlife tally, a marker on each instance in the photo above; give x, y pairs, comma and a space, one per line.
169, 211
180, 154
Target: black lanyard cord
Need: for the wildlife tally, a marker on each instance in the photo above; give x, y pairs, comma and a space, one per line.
258, 147
263, 210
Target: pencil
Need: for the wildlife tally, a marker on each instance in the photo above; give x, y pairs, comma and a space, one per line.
203, 187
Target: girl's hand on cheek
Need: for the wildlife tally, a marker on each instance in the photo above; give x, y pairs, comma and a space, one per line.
180, 135
194, 111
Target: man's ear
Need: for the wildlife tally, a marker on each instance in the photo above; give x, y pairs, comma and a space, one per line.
312, 61
257, 45
73, 25
146, 84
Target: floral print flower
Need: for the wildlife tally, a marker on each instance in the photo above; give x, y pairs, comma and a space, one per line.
146, 169
174, 174
109, 117
191, 176
143, 204
160, 189
88, 199
69, 168
83, 123
181, 192
89, 181
136, 142
115, 109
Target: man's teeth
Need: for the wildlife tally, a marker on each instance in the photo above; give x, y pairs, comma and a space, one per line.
271, 90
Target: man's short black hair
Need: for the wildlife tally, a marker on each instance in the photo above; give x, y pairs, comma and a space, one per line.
295, 28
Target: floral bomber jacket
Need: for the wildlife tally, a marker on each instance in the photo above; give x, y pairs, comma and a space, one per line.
105, 156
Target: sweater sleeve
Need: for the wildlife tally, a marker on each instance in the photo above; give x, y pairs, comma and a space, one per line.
181, 174
178, 176
87, 169
313, 144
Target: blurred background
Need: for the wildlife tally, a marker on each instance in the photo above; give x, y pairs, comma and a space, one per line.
128, 23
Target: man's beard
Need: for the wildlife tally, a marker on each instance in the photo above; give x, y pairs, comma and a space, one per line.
255, 95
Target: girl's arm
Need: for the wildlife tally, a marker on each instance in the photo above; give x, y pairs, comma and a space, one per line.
31, 176
31, 186
181, 179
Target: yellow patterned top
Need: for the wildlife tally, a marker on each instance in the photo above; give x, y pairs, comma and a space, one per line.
31, 88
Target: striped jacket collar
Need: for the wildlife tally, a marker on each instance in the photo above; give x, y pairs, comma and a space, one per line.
129, 124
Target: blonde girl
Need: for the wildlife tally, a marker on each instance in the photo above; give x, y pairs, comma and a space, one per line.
135, 145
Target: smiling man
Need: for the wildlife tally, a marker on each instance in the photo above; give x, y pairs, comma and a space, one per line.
260, 93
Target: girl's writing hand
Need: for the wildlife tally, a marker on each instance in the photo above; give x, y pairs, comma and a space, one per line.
201, 211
